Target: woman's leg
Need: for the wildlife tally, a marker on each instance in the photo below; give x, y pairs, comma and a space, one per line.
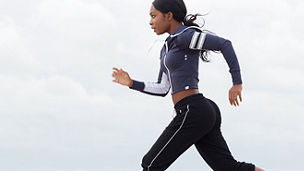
186, 128
215, 151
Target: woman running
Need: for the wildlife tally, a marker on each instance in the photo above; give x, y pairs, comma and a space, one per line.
197, 119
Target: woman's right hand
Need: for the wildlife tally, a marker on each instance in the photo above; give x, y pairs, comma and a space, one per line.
122, 77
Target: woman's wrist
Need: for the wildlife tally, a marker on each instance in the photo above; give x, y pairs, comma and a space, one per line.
236, 77
130, 83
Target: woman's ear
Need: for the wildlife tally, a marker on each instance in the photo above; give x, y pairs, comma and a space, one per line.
170, 16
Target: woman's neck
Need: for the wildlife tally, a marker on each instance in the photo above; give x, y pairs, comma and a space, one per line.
174, 26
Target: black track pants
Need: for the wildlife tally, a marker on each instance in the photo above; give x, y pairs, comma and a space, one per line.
197, 122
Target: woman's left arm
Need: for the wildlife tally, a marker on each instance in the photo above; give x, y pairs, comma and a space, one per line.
213, 42
207, 41
216, 43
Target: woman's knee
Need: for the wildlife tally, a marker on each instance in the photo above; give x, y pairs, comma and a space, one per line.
145, 162
233, 165
242, 166
150, 164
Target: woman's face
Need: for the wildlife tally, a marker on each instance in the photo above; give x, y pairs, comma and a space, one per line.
159, 22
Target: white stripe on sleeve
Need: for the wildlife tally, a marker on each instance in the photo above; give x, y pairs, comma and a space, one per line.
197, 40
158, 88
201, 41
194, 40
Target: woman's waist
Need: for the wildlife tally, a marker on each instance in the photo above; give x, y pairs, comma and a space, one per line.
183, 95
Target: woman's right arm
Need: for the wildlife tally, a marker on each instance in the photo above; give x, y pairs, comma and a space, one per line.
159, 88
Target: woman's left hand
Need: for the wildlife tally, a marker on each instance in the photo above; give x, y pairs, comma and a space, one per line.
235, 92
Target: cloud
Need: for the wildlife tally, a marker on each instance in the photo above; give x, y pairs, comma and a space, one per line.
59, 108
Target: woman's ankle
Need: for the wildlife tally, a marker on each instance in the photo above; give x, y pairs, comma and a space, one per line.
258, 169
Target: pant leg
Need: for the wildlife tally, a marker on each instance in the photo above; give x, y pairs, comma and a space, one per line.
185, 129
213, 148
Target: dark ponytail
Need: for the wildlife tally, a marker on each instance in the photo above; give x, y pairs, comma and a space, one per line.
189, 21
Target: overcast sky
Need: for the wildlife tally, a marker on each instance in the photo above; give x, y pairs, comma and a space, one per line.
60, 110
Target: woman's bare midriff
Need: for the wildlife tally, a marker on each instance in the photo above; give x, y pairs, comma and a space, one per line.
176, 97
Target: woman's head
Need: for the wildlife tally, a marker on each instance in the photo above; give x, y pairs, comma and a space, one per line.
165, 12
160, 22
177, 7
166, 15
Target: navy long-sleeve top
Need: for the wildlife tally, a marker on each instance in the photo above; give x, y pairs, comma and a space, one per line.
179, 59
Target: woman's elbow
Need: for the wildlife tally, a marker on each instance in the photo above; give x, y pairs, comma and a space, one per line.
226, 43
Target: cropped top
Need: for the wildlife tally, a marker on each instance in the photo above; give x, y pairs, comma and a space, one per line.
179, 59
